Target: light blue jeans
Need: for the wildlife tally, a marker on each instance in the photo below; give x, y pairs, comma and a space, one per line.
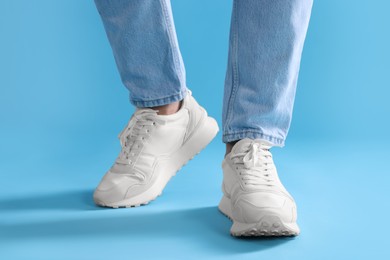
265, 46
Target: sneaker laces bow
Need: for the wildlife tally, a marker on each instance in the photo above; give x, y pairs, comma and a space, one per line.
255, 165
136, 131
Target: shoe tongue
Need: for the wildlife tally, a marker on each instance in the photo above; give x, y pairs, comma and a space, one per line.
145, 110
180, 114
150, 113
243, 145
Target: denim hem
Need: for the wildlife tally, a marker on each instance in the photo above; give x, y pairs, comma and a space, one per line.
252, 134
160, 101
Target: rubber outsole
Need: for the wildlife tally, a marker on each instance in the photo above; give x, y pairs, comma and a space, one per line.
212, 130
267, 226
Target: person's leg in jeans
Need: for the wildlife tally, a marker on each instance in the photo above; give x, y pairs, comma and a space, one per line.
266, 41
162, 135
144, 43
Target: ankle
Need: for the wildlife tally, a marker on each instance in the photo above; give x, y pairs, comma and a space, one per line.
229, 147
168, 109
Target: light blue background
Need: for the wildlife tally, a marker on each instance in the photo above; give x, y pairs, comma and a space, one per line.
62, 105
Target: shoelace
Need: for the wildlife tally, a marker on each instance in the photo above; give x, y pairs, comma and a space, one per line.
255, 165
135, 133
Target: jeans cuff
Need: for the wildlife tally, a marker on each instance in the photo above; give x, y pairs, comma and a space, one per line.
160, 101
251, 134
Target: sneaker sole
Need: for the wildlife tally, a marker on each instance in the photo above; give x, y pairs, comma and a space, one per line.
200, 138
267, 226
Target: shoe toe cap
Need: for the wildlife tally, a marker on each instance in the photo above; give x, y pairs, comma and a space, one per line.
251, 208
113, 188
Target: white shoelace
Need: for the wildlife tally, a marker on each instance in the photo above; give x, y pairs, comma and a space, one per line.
255, 166
135, 133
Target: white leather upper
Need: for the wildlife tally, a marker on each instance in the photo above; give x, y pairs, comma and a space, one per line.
252, 184
147, 139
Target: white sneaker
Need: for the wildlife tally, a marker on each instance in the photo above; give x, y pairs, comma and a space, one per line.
254, 198
154, 148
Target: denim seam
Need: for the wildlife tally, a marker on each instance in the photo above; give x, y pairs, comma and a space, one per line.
234, 60
236, 135
159, 101
170, 34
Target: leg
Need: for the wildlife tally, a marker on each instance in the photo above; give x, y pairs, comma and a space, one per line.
266, 41
143, 39
154, 145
